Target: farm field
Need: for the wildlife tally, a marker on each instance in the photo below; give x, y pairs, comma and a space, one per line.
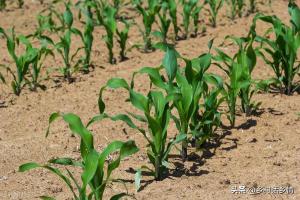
261, 149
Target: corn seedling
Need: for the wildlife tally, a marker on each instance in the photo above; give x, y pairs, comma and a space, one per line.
95, 176
148, 15
63, 47
190, 12
156, 114
2, 4
214, 7
107, 18
284, 49
185, 89
155, 107
194, 118
164, 23
236, 8
172, 7
195, 16
22, 62
65, 31
122, 38
87, 40
239, 69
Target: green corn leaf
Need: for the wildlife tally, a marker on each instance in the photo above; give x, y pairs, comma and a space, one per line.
154, 76
186, 91
170, 63
68, 16
159, 102
52, 118
115, 146
113, 83
24, 40
77, 127
28, 166
90, 167
109, 18
295, 15
251, 58
116, 83
139, 101
66, 161
138, 117
97, 118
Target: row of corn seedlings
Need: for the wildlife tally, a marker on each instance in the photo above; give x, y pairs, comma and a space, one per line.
105, 14
29, 64
188, 96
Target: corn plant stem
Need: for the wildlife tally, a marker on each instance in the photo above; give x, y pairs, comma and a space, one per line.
147, 40
184, 144
232, 105
157, 168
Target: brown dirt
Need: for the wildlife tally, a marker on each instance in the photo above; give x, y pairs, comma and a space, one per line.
263, 151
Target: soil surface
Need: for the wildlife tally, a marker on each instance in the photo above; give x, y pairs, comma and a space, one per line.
262, 151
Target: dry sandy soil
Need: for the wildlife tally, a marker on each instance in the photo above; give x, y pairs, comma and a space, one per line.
262, 151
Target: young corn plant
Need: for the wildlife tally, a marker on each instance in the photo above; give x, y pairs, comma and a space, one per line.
122, 38
95, 175
195, 118
236, 8
195, 15
148, 14
214, 7
239, 70
190, 12
63, 47
87, 40
108, 20
282, 52
22, 62
64, 30
185, 89
156, 114
164, 23
172, 7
